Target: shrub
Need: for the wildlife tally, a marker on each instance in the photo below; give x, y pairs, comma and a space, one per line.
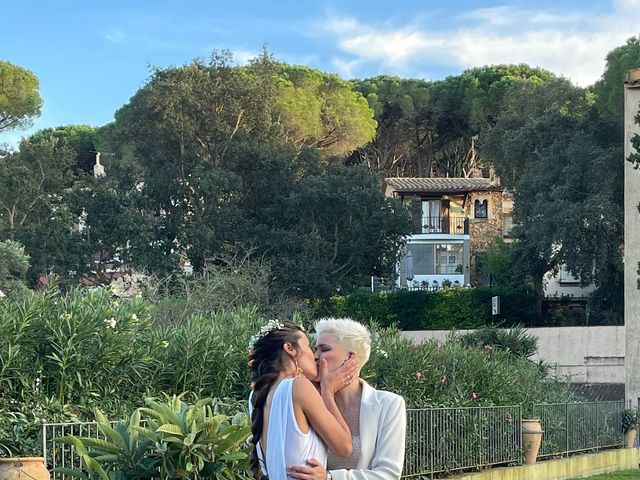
515, 340
179, 441
453, 374
444, 309
226, 284
63, 356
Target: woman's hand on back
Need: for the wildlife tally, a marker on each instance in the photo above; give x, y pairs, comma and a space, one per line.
312, 471
335, 380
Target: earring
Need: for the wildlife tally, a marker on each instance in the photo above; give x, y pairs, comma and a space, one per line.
299, 371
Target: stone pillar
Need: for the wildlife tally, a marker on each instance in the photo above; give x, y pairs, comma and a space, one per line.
631, 241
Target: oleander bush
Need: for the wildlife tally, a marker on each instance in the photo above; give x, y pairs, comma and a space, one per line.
448, 374
63, 356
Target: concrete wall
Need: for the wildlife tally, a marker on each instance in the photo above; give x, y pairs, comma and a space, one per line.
585, 354
564, 468
631, 240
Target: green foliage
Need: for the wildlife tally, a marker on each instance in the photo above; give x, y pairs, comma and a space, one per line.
79, 138
550, 146
609, 89
14, 263
498, 261
630, 419
426, 128
321, 110
227, 283
20, 100
514, 340
176, 440
21, 423
453, 374
450, 308
63, 356
30, 180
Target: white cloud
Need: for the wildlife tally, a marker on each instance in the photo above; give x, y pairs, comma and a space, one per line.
242, 57
344, 67
116, 36
573, 44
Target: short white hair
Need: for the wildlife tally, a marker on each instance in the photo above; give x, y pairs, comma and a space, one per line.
353, 336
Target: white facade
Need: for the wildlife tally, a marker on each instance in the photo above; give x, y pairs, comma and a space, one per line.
563, 284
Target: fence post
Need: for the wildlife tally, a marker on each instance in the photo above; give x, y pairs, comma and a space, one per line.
566, 429
432, 461
597, 430
44, 440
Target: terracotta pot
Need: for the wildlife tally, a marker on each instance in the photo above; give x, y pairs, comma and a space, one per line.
23, 468
531, 440
630, 438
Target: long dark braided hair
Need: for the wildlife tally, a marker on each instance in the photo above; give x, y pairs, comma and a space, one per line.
266, 363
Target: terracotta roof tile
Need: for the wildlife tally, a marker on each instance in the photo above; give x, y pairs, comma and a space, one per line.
404, 184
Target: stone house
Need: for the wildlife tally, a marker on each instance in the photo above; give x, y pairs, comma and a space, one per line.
453, 220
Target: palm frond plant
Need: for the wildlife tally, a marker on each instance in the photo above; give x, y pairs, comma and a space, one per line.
178, 440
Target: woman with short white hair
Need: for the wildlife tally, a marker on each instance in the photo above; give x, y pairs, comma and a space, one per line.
376, 418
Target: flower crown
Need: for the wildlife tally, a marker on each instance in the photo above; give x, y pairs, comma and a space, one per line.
270, 326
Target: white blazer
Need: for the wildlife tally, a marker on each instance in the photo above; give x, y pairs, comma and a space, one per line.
383, 430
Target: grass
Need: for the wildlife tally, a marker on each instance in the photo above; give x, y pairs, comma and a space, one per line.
623, 474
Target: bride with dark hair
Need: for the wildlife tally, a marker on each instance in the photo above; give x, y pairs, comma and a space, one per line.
291, 421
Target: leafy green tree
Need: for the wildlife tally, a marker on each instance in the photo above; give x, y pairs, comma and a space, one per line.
321, 110
497, 260
14, 263
338, 230
552, 148
609, 90
30, 179
79, 138
394, 101
428, 128
20, 99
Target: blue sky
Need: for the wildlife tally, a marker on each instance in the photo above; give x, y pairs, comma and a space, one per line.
91, 57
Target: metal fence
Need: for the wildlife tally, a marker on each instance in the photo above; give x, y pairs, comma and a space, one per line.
579, 427
443, 440
58, 455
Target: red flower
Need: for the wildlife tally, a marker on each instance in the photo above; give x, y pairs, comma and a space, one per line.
474, 395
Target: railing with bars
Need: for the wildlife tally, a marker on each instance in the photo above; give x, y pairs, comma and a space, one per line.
451, 225
59, 455
579, 427
444, 440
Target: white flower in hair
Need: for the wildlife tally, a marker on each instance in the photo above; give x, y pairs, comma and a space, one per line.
270, 326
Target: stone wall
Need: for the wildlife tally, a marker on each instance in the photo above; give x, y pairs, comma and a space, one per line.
483, 231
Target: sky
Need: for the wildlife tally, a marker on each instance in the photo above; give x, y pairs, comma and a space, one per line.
91, 57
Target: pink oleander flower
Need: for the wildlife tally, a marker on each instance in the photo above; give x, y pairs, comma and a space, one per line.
419, 375
474, 395
509, 420
488, 347
443, 378
440, 344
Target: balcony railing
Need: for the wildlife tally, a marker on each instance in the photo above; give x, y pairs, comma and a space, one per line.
447, 225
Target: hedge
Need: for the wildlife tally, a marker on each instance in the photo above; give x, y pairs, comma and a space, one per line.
440, 310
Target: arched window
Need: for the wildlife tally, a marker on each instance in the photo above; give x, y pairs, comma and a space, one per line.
480, 209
